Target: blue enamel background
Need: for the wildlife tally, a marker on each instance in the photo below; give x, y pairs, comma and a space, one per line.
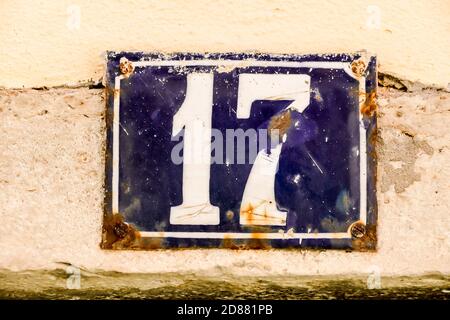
324, 199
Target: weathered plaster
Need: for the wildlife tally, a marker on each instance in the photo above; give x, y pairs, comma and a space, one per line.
51, 177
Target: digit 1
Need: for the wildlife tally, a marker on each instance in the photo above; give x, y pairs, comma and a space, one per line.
258, 205
195, 116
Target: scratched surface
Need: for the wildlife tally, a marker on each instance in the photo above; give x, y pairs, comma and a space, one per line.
319, 173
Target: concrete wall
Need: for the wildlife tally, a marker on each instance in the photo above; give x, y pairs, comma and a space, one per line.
51, 146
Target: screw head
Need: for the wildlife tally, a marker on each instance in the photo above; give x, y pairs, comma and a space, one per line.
126, 67
120, 230
358, 67
358, 230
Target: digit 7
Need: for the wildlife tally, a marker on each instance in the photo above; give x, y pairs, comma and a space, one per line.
258, 205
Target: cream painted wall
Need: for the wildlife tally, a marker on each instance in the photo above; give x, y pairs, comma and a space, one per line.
44, 44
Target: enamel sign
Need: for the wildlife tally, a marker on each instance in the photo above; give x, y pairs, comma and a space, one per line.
240, 151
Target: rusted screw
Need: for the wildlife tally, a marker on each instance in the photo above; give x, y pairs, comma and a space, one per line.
126, 67
358, 230
229, 214
120, 230
358, 67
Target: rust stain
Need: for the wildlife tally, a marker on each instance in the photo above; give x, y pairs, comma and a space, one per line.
248, 213
259, 217
117, 234
358, 67
367, 242
370, 104
229, 243
126, 67
153, 243
363, 236
281, 122
257, 241
373, 141
252, 216
109, 117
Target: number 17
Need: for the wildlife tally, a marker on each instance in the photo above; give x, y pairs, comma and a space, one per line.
258, 205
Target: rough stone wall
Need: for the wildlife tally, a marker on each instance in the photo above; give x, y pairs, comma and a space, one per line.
51, 194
